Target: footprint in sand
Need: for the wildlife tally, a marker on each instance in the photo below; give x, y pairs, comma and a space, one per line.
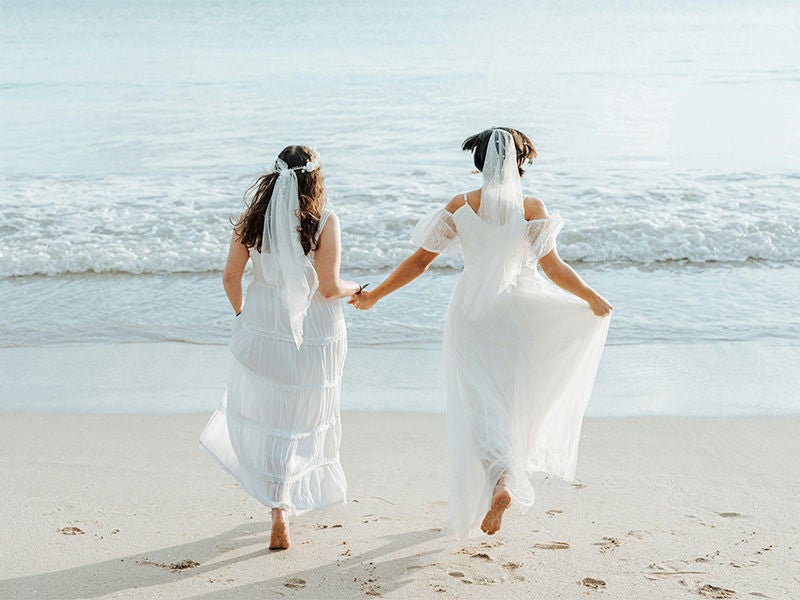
729, 515
181, 565
712, 591
707, 557
595, 584
456, 574
636, 534
512, 567
72, 531
295, 583
608, 543
552, 546
482, 555
553, 512
371, 590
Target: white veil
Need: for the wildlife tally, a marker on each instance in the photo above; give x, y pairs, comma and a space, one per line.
503, 238
296, 277
501, 192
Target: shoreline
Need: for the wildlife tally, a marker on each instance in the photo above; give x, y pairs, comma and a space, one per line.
755, 378
661, 507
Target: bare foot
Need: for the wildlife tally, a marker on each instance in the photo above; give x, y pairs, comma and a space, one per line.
494, 516
279, 540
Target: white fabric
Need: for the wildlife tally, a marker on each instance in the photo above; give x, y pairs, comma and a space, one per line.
291, 270
519, 368
502, 209
277, 430
436, 232
501, 191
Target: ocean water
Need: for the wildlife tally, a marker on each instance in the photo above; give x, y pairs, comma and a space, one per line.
668, 138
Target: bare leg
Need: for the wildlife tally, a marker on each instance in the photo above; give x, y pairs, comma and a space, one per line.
279, 540
501, 500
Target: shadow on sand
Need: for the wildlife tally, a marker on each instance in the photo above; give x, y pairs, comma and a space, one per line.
137, 570
360, 575
149, 569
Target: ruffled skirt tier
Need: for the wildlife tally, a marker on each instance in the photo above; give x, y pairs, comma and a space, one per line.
278, 430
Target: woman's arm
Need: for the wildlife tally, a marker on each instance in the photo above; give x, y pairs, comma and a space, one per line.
328, 260
566, 278
408, 270
560, 272
238, 255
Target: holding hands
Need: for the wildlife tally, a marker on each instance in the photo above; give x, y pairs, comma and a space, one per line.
362, 299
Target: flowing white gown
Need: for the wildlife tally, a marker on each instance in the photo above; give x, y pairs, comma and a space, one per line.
521, 358
278, 428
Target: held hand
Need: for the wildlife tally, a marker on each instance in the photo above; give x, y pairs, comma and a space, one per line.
363, 300
600, 306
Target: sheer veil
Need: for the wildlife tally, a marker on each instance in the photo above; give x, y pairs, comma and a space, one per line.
296, 276
501, 192
503, 212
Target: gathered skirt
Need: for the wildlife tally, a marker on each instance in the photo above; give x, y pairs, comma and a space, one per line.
518, 383
277, 430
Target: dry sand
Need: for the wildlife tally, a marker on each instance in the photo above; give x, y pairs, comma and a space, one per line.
129, 507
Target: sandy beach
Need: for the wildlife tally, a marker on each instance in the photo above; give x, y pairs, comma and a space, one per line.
668, 139
101, 506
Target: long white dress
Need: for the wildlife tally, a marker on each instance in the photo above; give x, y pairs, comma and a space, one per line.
519, 369
278, 428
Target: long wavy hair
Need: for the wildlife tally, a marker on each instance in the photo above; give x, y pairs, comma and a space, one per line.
478, 143
311, 191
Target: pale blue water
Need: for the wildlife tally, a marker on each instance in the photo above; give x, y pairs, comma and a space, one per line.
668, 136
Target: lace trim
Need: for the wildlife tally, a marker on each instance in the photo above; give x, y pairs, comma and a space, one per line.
436, 232
542, 234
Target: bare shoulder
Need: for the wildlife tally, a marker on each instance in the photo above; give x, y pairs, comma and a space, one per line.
455, 203
238, 229
333, 220
534, 209
330, 230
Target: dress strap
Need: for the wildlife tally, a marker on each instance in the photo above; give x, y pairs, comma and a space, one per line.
465, 198
325, 214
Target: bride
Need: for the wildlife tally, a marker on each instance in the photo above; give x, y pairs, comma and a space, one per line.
277, 430
521, 353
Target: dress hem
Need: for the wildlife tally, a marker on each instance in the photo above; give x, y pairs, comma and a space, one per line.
293, 512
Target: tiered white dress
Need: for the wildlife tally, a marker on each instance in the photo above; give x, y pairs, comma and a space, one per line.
519, 369
278, 429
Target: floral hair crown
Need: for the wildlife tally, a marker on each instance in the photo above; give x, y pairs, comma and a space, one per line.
280, 166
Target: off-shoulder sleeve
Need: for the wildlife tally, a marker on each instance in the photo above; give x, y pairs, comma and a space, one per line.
436, 232
542, 234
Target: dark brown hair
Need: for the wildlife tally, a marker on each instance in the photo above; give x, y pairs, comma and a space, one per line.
312, 199
478, 143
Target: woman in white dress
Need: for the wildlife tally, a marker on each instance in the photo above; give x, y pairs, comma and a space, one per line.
277, 430
521, 353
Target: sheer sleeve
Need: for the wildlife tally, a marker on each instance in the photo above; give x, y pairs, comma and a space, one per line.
436, 232
542, 234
